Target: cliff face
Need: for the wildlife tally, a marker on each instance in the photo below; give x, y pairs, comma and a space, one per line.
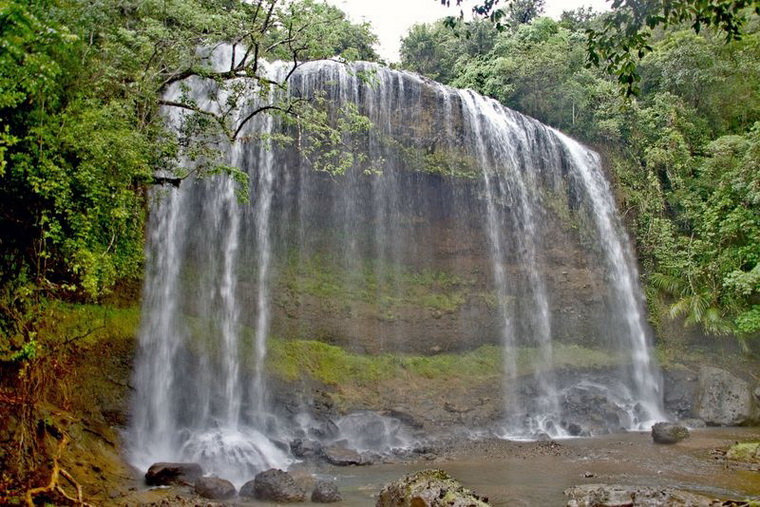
466, 254
403, 258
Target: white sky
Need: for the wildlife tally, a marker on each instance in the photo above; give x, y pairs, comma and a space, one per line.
391, 19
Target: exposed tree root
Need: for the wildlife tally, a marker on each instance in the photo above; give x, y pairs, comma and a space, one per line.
54, 485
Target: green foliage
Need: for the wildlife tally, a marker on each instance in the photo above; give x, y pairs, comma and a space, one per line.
81, 134
625, 35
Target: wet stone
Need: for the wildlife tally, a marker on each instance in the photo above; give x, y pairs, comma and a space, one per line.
275, 486
214, 488
325, 492
164, 473
669, 433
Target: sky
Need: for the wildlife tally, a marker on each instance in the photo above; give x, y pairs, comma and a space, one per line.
391, 19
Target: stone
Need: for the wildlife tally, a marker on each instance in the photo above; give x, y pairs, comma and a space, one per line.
273, 485
341, 456
325, 492
722, 398
428, 488
214, 488
164, 473
616, 495
680, 388
668, 433
748, 452
693, 423
305, 448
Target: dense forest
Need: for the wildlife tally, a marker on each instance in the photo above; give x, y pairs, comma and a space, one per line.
675, 115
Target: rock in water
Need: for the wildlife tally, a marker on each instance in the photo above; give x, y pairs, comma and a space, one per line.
616, 495
723, 399
325, 492
429, 488
668, 433
214, 488
749, 452
163, 474
305, 448
275, 486
341, 456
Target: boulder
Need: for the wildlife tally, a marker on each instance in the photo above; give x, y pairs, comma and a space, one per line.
164, 474
305, 448
680, 390
325, 492
668, 433
214, 488
693, 423
722, 398
273, 485
616, 495
340, 455
428, 488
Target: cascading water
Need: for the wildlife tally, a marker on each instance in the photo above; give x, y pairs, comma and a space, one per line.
482, 226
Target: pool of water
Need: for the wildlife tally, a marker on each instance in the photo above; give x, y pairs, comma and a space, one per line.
530, 473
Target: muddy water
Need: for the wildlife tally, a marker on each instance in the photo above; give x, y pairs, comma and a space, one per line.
530, 473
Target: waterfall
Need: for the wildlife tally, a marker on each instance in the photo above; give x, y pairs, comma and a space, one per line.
477, 226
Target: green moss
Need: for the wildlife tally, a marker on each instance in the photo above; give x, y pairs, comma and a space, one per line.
749, 452
86, 324
292, 360
386, 286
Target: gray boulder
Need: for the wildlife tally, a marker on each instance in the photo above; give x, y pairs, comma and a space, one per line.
325, 492
428, 488
305, 448
680, 390
340, 455
722, 398
668, 433
164, 474
214, 488
273, 485
616, 495
693, 423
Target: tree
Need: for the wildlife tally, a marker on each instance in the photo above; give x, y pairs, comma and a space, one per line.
624, 35
82, 135
80, 129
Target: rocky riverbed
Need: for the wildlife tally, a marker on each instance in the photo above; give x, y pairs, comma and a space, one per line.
535, 473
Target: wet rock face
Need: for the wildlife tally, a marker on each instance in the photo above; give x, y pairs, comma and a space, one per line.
616, 495
214, 488
163, 474
724, 399
669, 433
275, 486
428, 488
680, 391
